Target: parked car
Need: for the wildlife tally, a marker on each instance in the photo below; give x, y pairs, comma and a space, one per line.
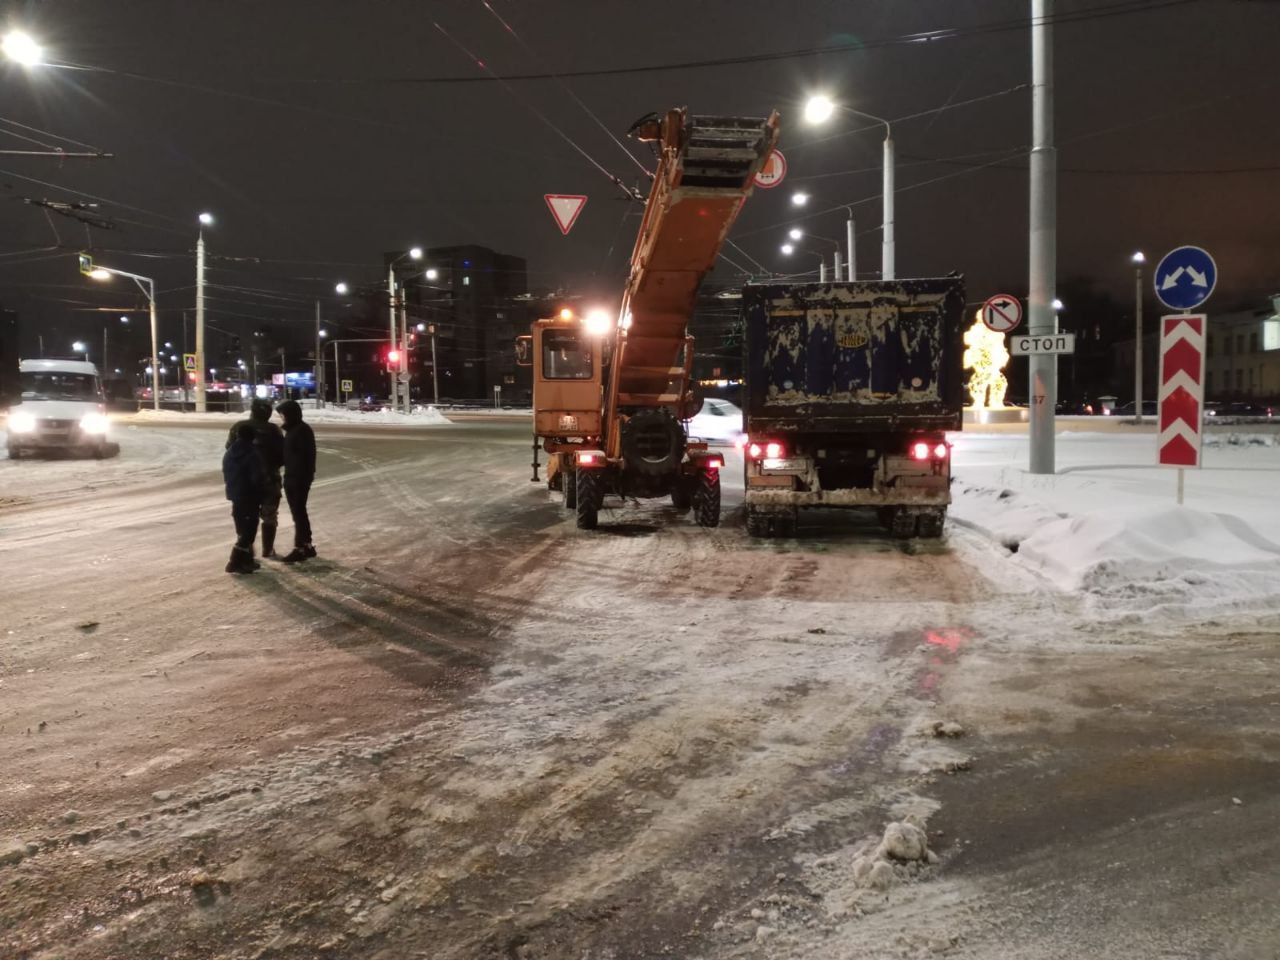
1245, 409
1149, 409
719, 421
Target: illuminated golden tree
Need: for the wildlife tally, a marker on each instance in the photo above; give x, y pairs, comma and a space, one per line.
986, 355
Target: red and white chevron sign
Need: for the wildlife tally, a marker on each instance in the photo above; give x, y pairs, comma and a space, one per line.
1181, 388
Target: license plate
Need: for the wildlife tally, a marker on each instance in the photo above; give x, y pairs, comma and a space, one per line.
786, 464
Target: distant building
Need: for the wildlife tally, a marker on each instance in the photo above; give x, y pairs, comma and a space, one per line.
477, 300
1244, 353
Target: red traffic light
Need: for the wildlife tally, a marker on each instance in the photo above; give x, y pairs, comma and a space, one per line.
393, 356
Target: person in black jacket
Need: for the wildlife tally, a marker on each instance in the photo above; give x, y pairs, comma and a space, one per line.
245, 478
299, 471
269, 442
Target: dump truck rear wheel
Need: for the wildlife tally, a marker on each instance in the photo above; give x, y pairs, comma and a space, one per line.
706, 499
784, 524
570, 483
589, 495
929, 525
758, 523
902, 524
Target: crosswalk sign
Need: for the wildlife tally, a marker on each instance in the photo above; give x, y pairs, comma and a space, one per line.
86, 264
189, 361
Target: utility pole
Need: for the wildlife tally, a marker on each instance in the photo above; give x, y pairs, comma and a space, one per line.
887, 268
105, 365
851, 264
435, 379
318, 371
403, 373
391, 342
1042, 263
200, 368
1138, 260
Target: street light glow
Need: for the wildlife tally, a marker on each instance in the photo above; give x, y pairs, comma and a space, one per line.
432, 274
799, 198
98, 273
415, 253
78, 347
206, 219
1057, 304
795, 233
124, 319
21, 47
341, 289
323, 334
1139, 257
818, 109
788, 249
421, 327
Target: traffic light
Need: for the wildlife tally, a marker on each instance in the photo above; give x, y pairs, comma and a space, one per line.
393, 360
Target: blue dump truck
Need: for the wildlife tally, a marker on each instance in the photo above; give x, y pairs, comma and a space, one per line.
850, 391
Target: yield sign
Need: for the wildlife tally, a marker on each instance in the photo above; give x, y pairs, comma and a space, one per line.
565, 207
1182, 355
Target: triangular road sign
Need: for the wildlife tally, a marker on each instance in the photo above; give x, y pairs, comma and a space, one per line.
565, 207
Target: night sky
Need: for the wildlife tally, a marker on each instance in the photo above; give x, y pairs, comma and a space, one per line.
316, 134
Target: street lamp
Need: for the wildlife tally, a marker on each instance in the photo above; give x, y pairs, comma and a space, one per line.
341, 289
788, 249
106, 273
432, 274
799, 198
1058, 305
1138, 259
414, 253
795, 233
819, 109
206, 220
79, 347
20, 47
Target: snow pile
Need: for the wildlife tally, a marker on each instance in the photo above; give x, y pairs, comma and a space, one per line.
1106, 525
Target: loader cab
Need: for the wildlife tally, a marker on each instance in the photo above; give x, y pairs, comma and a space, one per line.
568, 366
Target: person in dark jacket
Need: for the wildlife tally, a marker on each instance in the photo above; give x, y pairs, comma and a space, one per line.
246, 480
269, 442
299, 471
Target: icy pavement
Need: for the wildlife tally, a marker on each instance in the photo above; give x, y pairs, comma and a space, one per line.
1107, 525
420, 417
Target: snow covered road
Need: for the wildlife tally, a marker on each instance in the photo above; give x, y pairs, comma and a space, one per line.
468, 730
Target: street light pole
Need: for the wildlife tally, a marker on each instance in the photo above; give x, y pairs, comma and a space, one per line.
403, 373
317, 374
1138, 260
1042, 262
435, 379
102, 273
851, 264
205, 220
391, 300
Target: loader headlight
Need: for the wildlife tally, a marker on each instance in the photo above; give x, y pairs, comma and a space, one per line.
93, 423
20, 421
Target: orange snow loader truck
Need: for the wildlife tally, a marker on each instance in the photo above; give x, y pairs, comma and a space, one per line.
611, 395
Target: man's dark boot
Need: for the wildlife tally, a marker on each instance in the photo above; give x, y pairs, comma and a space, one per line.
268, 540
297, 555
241, 561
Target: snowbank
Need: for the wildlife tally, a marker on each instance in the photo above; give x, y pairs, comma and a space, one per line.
1107, 524
421, 416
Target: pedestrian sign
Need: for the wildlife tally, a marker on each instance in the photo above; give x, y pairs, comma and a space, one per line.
189, 361
1185, 278
86, 264
346, 386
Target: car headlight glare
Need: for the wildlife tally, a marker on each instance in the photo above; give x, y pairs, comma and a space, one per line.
22, 422
93, 423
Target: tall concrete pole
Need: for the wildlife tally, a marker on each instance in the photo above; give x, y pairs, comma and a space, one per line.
155, 348
404, 350
201, 372
1042, 277
1138, 259
851, 265
435, 379
887, 265
391, 343
318, 373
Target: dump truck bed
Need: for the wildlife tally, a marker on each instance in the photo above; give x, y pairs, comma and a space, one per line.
856, 357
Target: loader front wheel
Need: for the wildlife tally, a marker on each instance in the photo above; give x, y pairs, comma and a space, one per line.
590, 493
706, 499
